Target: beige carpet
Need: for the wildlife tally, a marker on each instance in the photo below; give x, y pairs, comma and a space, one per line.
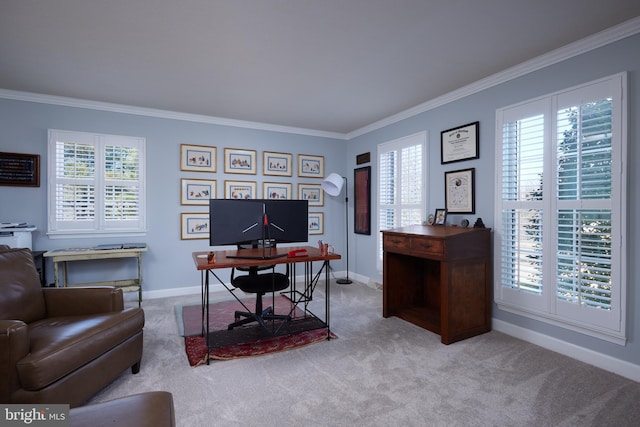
381, 372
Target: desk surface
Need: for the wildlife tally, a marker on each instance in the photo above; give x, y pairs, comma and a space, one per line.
224, 259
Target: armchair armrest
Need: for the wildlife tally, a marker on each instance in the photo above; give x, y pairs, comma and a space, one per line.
82, 300
14, 345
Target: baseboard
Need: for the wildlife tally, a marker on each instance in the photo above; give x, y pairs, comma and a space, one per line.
600, 360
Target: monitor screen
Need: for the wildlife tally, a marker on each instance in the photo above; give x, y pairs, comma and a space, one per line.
238, 221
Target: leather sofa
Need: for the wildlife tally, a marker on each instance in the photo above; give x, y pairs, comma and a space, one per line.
61, 345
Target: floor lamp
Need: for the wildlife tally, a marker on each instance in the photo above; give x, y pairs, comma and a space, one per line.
332, 185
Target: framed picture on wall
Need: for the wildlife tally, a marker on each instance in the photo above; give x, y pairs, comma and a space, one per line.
310, 166
197, 158
316, 223
312, 193
194, 225
460, 143
460, 191
278, 164
239, 161
276, 190
197, 191
240, 190
362, 204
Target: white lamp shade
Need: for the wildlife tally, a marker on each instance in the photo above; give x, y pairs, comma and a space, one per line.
332, 185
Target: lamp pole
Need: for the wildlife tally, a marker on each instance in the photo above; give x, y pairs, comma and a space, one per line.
346, 280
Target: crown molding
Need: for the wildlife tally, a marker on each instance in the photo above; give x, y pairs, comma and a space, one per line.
165, 114
603, 38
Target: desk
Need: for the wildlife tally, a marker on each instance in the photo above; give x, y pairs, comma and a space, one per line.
439, 278
225, 259
63, 256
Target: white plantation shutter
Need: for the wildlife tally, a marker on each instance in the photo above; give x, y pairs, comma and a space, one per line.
401, 184
560, 211
96, 183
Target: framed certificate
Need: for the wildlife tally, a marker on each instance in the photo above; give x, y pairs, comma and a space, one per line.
460, 143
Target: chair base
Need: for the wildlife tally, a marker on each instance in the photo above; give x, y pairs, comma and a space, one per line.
265, 315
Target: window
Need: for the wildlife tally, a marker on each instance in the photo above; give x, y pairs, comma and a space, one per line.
96, 184
402, 190
560, 209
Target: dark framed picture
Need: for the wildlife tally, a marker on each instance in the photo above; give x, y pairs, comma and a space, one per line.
459, 191
21, 170
362, 205
440, 217
459, 144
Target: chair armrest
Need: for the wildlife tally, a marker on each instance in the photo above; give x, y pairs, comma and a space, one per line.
14, 345
82, 300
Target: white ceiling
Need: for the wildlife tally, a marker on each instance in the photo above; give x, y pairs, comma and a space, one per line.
327, 65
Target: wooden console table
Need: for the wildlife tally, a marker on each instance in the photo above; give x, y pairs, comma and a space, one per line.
62, 256
439, 278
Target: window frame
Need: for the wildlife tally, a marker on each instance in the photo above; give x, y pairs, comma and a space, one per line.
547, 307
98, 226
420, 138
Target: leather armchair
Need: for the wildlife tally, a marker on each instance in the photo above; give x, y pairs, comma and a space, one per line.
61, 345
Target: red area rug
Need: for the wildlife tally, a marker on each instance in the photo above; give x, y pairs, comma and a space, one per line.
250, 340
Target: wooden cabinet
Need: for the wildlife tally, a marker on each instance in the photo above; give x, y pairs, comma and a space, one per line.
439, 278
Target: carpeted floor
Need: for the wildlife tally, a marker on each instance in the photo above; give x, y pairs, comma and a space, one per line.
380, 372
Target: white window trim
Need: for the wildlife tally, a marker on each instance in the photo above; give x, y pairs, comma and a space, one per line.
546, 311
398, 144
55, 232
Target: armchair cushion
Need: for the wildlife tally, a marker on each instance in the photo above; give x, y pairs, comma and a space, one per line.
60, 344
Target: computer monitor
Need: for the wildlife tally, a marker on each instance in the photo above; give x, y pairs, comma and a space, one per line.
238, 221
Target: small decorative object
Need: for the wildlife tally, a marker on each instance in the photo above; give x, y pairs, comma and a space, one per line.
194, 226
197, 158
310, 166
279, 164
479, 223
459, 143
440, 217
276, 191
316, 223
239, 190
312, 193
464, 222
431, 219
197, 191
460, 191
239, 161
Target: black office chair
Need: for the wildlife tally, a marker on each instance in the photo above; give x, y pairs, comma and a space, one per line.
260, 284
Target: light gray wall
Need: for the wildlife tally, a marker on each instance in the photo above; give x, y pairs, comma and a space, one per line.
608, 60
168, 264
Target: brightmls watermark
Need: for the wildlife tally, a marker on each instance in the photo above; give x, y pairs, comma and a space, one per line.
34, 415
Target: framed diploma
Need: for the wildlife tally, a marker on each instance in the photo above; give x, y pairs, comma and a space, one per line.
459, 191
460, 143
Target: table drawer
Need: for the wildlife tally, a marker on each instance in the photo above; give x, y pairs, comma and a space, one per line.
395, 242
429, 246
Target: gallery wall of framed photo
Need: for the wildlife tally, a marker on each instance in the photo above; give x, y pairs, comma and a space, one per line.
248, 174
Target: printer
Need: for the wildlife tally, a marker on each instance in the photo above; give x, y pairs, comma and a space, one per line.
16, 235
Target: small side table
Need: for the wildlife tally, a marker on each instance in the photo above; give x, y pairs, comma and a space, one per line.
61, 257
